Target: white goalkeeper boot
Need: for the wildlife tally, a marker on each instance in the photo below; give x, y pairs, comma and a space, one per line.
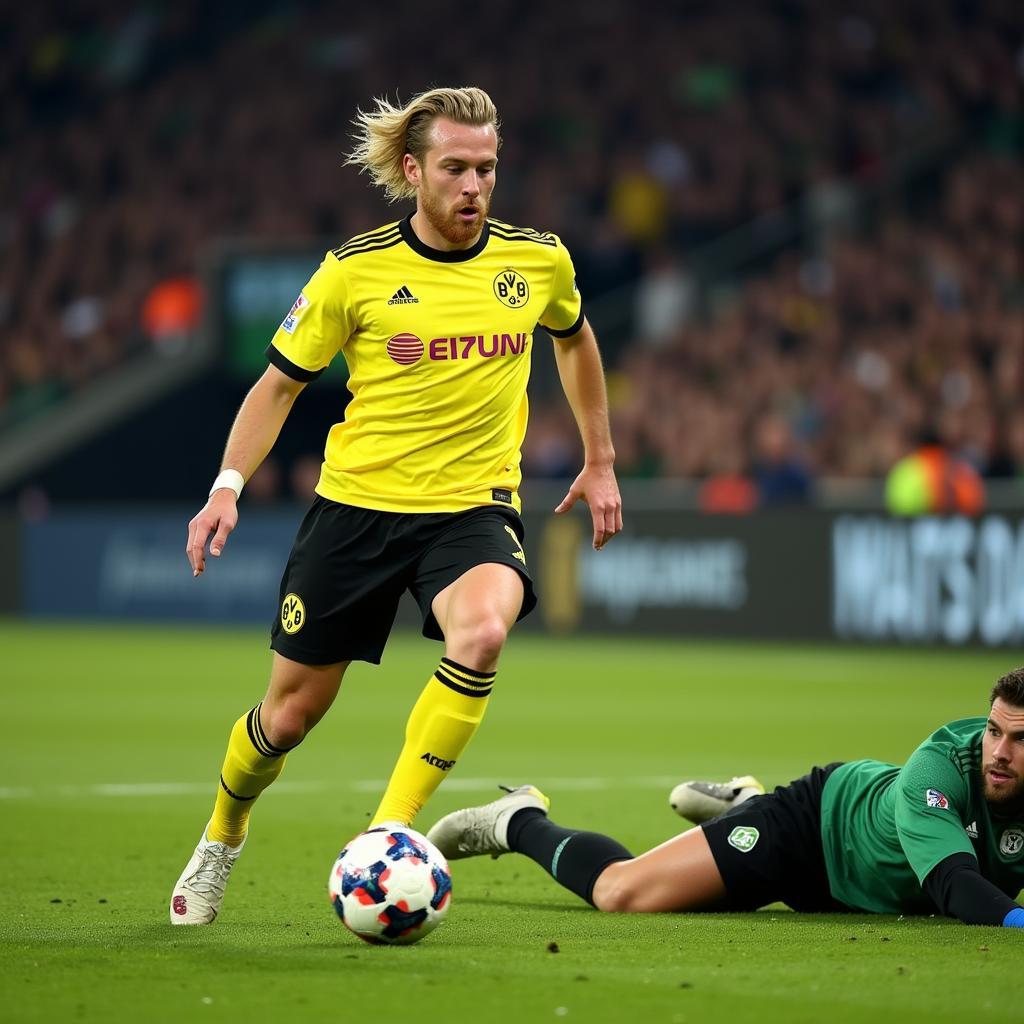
476, 830
199, 892
702, 801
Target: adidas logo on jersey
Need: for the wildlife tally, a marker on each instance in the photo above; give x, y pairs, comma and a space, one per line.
402, 297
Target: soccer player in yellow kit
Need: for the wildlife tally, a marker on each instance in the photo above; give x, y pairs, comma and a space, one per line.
435, 317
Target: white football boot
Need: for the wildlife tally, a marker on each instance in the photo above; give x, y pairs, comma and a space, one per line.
199, 892
702, 801
476, 830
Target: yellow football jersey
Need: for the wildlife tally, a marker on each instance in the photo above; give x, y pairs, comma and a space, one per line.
438, 348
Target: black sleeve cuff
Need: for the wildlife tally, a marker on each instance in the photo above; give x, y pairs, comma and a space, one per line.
575, 329
958, 889
287, 367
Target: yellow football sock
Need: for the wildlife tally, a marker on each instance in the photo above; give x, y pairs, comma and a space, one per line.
442, 723
250, 765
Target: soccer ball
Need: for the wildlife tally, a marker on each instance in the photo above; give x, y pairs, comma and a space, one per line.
391, 885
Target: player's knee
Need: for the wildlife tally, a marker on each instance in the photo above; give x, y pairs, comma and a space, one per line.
287, 722
481, 644
616, 890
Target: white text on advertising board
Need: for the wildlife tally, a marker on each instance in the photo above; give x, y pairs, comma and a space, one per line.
647, 573
956, 580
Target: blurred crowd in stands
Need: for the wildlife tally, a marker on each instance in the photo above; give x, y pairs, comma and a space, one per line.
137, 135
843, 361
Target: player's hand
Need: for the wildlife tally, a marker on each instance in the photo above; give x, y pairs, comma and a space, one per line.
219, 516
597, 486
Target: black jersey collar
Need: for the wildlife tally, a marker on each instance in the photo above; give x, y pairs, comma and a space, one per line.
443, 255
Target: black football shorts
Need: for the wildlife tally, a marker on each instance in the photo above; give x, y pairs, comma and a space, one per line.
768, 849
349, 566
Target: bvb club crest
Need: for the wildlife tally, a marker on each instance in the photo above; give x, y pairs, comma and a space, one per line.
511, 288
293, 613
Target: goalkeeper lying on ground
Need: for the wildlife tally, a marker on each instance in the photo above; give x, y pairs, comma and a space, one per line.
943, 833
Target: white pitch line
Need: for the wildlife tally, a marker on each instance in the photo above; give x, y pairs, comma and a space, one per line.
453, 785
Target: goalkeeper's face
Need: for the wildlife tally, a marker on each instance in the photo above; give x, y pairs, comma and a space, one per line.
1002, 754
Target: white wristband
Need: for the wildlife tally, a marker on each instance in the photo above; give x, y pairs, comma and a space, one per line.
231, 479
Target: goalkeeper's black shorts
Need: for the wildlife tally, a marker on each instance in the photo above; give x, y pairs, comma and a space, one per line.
768, 849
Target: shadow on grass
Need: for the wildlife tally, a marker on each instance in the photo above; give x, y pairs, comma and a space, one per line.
540, 905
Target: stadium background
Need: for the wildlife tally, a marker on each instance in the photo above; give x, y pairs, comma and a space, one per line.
798, 232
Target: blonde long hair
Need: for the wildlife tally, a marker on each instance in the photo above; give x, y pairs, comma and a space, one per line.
385, 135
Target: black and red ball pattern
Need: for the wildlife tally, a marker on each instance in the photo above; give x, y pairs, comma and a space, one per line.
405, 349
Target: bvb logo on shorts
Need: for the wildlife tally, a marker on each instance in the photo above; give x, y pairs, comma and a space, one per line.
1011, 842
511, 288
744, 838
293, 613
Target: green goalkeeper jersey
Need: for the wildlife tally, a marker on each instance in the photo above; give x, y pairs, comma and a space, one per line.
884, 828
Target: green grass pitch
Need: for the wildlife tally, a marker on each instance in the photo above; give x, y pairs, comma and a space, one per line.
111, 744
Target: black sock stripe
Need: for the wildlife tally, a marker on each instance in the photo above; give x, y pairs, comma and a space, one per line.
253, 739
234, 795
469, 675
469, 684
263, 736
453, 684
256, 737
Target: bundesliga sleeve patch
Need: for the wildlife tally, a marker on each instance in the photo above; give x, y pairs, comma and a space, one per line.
299, 306
933, 798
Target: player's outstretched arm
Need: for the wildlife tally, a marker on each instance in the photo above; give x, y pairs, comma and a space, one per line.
958, 889
253, 434
582, 376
